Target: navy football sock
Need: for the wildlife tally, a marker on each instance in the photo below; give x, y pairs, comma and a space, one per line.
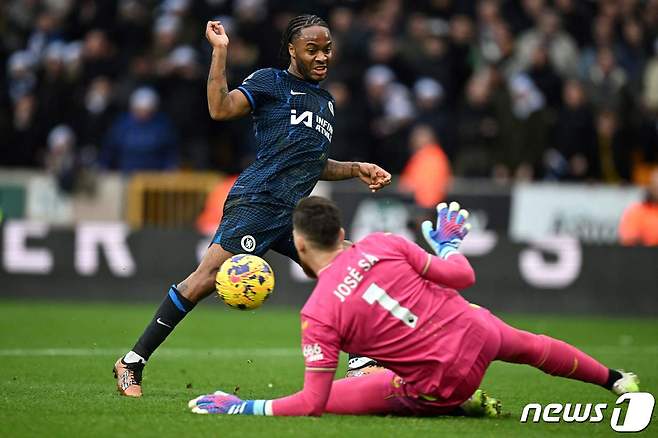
172, 310
613, 376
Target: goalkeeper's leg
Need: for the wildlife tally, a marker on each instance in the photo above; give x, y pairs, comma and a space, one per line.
552, 356
385, 393
377, 393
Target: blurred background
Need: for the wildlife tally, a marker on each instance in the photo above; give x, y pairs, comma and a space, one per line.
540, 116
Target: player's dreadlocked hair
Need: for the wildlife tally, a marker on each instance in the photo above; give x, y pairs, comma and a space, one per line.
295, 25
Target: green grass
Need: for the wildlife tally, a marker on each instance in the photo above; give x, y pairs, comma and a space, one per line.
56, 358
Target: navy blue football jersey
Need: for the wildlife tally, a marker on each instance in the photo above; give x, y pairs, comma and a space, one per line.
293, 124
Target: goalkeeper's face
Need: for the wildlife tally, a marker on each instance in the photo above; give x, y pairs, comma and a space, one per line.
302, 247
313, 257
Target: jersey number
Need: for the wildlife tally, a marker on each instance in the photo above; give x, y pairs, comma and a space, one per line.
375, 293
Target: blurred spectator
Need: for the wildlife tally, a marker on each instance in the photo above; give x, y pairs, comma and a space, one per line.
183, 82
639, 224
526, 136
132, 28
650, 80
97, 112
561, 48
543, 75
74, 62
478, 130
390, 112
25, 148
573, 155
99, 56
54, 90
633, 53
142, 139
575, 19
22, 78
427, 173
60, 158
606, 81
429, 96
613, 155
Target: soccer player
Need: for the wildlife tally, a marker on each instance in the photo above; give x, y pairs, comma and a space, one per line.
293, 124
388, 299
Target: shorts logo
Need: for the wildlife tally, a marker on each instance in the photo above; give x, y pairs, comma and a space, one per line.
248, 243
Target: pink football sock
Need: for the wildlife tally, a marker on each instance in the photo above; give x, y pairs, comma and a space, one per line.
550, 355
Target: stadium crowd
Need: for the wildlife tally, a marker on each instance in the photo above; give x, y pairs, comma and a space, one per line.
527, 89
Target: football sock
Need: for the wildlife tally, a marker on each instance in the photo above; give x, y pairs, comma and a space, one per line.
132, 357
173, 309
552, 356
613, 376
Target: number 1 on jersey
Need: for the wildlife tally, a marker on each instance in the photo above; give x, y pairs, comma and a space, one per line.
375, 293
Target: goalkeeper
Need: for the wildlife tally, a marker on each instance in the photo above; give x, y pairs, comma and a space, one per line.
386, 298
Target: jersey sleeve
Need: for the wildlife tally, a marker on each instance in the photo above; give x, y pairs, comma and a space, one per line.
320, 345
309, 401
258, 86
454, 272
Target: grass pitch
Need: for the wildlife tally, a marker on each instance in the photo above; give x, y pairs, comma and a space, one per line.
56, 361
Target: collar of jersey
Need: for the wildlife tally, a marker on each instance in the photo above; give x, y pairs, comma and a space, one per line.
301, 80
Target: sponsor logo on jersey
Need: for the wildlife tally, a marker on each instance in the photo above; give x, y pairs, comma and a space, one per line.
248, 243
307, 118
312, 352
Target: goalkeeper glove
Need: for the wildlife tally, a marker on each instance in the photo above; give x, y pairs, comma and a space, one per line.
451, 228
222, 403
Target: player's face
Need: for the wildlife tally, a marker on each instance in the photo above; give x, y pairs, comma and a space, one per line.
310, 53
301, 247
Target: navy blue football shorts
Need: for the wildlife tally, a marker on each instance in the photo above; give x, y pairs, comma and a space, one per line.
254, 225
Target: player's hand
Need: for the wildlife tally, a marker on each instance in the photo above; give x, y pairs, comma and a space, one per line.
216, 35
374, 176
451, 227
217, 403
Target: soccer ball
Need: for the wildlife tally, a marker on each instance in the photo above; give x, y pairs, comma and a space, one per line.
244, 281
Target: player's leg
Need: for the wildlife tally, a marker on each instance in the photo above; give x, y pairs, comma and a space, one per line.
178, 302
378, 393
384, 393
558, 358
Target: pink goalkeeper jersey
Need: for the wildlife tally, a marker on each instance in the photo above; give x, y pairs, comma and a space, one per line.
388, 299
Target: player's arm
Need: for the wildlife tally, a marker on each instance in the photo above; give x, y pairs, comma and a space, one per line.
321, 349
222, 104
371, 174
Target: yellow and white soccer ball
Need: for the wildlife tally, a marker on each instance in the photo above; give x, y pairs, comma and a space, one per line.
244, 281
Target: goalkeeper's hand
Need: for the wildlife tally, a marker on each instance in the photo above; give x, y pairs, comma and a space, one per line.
222, 403
451, 227
217, 403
